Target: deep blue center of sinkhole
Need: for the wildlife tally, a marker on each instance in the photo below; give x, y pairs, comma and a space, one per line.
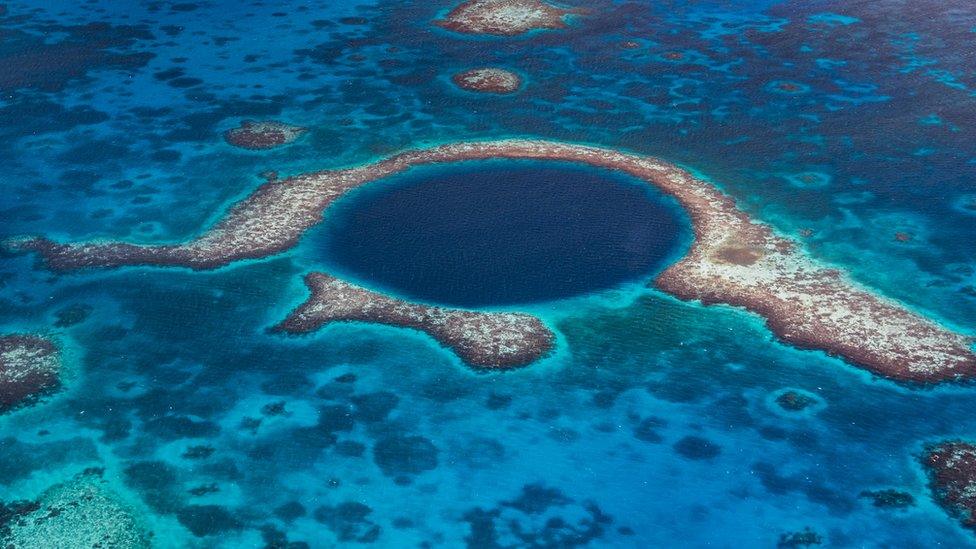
495, 232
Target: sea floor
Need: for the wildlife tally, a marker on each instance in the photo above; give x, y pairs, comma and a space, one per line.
655, 422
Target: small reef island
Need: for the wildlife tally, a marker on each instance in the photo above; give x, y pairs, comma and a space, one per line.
793, 400
505, 17
733, 260
488, 340
488, 80
951, 467
30, 367
268, 134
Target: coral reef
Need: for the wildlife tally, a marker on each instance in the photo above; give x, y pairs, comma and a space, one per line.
803, 538
30, 366
733, 260
81, 513
488, 80
794, 401
504, 17
72, 314
951, 466
490, 340
349, 521
539, 517
697, 448
889, 498
259, 135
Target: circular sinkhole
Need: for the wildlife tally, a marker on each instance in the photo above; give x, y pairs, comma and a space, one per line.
501, 232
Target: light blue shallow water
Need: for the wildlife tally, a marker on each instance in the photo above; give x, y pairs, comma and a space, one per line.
654, 423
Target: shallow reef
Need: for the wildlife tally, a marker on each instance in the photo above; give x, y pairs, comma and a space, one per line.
951, 467
82, 513
265, 134
487, 340
30, 367
841, 127
795, 401
889, 498
488, 80
734, 260
504, 17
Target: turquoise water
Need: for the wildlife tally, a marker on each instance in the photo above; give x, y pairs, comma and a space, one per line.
653, 424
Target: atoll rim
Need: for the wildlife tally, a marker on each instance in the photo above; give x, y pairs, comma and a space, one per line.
733, 260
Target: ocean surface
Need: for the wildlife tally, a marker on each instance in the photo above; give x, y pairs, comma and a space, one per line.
653, 424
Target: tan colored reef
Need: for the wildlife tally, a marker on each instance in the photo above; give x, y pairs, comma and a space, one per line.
487, 340
259, 135
734, 260
951, 467
30, 366
488, 80
504, 17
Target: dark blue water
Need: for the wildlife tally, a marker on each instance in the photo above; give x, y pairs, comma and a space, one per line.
491, 233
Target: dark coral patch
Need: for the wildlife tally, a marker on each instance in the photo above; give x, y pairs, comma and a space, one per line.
156, 481
290, 511
497, 401
794, 401
72, 314
373, 407
207, 520
889, 498
175, 427
23, 116
802, 538
350, 448
399, 455
539, 517
697, 448
30, 61
349, 521
647, 430
94, 152
198, 452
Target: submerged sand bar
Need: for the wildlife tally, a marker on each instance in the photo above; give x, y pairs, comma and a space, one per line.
733, 260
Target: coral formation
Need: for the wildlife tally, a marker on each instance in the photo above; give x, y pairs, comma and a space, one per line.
488, 80
889, 498
81, 513
734, 260
951, 466
490, 340
794, 401
504, 17
30, 366
259, 135
802, 538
